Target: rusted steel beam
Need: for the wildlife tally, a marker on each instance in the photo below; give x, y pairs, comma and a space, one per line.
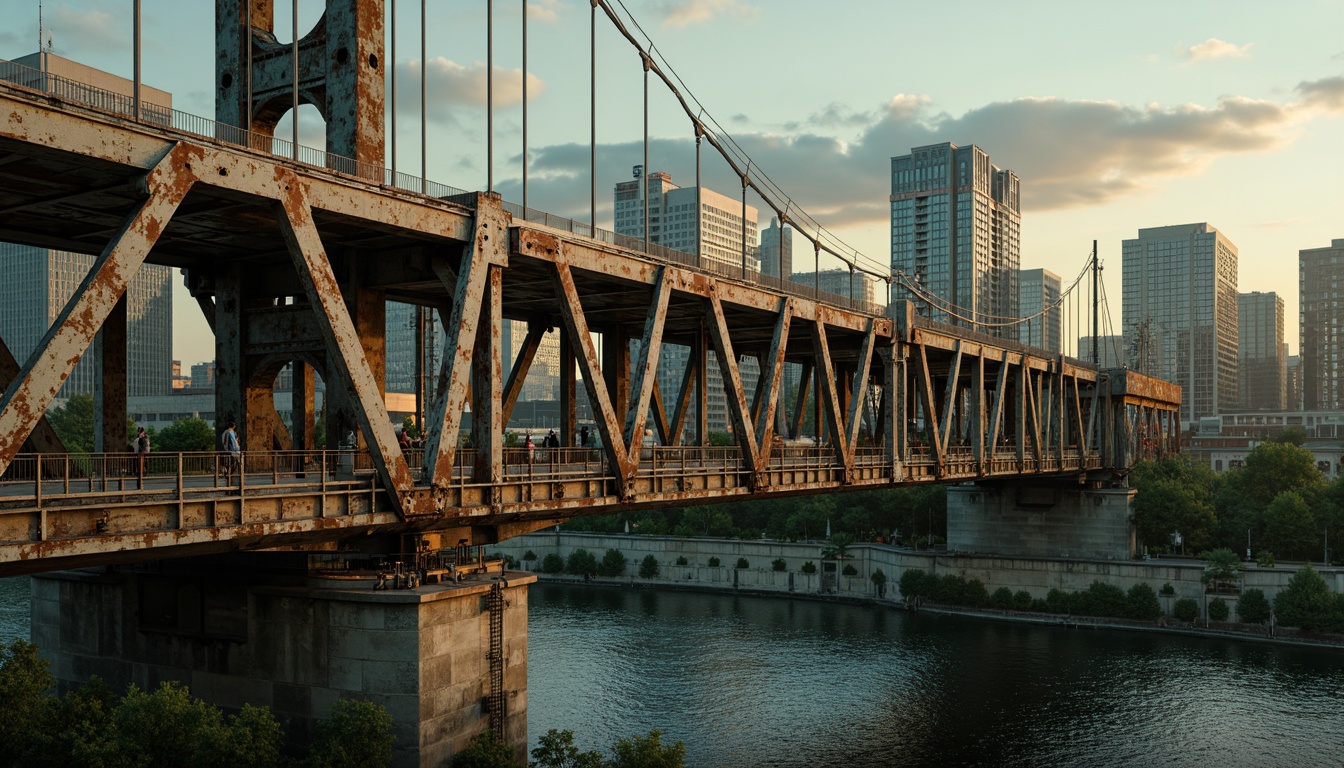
576, 325
518, 372
109, 432
207, 305
859, 392
830, 400
700, 351
772, 374
646, 366
996, 414
950, 395
33, 389
925, 384
487, 419
660, 416
688, 379
487, 247
345, 352
44, 438
800, 403
732, 378
978, 415
569, 418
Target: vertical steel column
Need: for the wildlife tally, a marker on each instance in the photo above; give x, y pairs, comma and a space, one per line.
490, 95
616, 366
745, 182
644, 176
487, 423
294, 69
699, 213
569, 426
229, 363
424, 112
524, 2
109, 434
701, 351
302, 412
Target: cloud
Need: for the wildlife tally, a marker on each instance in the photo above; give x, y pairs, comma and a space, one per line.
451, 86
544, 10
1213, 48
88, 31
684, 13
1326, 93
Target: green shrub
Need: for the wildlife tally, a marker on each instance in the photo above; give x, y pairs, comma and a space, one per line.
778, 564
510, 564
809, 567
358, 733
552, 563
682, 560
1168, 590
1022, 601
485, 751
648, 567
1002, 599
1265, 559
850, 570
1186, 609
713, 562
1253, 608
613, 564
581, 562
1059, 601
1039, 605
529, 555
742, 563
911, 584
1307, 602
1218, 609
1100, 599
1142, 602
879, 579
974, 594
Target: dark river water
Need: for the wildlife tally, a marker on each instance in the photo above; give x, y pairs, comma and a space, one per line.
747, 681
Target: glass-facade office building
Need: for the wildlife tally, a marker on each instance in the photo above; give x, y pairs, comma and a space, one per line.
1180, 313
1321, 314
955, 230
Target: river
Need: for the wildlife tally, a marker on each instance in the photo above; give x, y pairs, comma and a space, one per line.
757, 681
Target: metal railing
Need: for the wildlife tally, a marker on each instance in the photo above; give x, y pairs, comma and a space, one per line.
65, 89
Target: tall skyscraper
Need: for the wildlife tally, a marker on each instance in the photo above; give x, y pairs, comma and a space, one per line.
715, 234
1180, 313
955, 227
38, 283
1320, 275
1039, 295
776, 250
1263, 366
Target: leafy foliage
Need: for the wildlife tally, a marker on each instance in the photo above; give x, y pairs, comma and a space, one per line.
778, 564
184, 435
358, 733
613, 563
808, 567
485, 751
1186, 609
1175, 494
1142, 602
681, 560
647, 752
552, 563
1309, 604
581, 562
1221, 568
23, 678
1253, 608
850, 570
879, 579
714, 562
742, 564
648, 567
555, 749
1218, 609
73, 423
1001, 599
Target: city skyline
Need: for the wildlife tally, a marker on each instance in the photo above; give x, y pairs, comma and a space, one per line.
1215, 114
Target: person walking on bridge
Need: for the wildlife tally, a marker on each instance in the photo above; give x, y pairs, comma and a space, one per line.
141, 452
233, 452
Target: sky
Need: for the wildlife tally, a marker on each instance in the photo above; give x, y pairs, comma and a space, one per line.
1115, 116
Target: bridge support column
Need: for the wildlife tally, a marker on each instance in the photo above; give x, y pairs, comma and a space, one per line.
427, 654
1041, 519
110, 413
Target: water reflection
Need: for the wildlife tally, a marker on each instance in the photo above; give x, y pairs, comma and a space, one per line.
763, 681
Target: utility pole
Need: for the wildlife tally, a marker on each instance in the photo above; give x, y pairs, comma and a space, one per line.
1095, 301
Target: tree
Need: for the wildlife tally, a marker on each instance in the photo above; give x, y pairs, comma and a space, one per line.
552, 563
1253, 608
706, 521
23, 678
837, 547
485, 751
581, 562
648, 567
613, 564
647, 752
1186, 609
1143, 603
879, 580
1218, 609
1175, 494
1221, 568
1290, 436
555, 749
184, 435
73, 423
358, 733
1290, 527
1306, 602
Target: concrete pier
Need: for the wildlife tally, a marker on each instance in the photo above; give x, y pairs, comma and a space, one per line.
1035, 519
272, 633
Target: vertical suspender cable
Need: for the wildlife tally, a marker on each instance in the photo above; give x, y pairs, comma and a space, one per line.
524, 108
644, 175
247, 43
490, 95
1095, 359
295, 55
699, 214
592, 118
424, 107
745, 181
135, 90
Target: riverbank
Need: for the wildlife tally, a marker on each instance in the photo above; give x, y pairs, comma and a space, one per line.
775, 568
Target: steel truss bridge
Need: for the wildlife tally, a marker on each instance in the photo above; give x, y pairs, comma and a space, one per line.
292, 263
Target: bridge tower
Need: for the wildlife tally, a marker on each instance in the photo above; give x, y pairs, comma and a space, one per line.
340, 71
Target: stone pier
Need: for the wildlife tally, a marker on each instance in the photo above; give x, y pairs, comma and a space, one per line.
271, 632
1041, 519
